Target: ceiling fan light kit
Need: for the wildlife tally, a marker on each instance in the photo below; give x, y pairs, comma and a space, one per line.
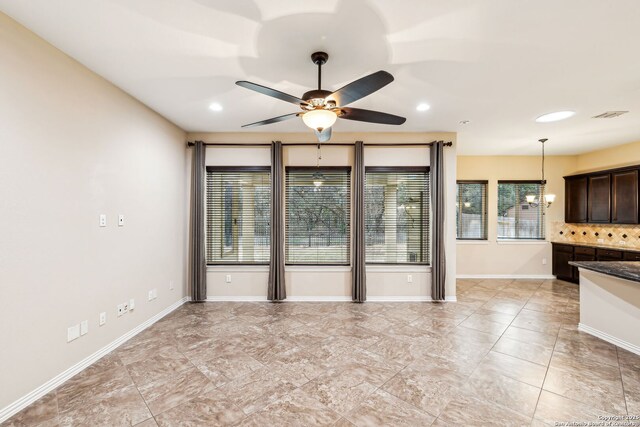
321, 108
319, 119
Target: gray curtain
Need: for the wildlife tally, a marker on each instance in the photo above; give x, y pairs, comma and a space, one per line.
359, 274
198, 266
276, 290
438, 261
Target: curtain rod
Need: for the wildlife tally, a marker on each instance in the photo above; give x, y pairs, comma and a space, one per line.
311, 144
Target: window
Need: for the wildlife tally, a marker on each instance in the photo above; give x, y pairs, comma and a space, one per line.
471, 210
238, 215
397, 215
516, 218
318, 212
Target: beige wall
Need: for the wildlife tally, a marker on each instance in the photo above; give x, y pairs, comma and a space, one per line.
72, 146
621, 155
331, 282
513, 259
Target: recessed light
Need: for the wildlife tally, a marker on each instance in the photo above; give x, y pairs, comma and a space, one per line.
554, 117
214, 106
423, 107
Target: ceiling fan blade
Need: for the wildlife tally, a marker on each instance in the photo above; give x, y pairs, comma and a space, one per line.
271, 92
370, 116
271, 120
360, 88
324, 136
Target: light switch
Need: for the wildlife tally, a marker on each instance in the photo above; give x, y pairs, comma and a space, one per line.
103, 220
121, 220
132, 304
84, 327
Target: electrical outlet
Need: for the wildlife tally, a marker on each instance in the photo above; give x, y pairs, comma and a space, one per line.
103, 220
103, 318
84, 327
132, 304
120, 309
622, 242
120, 220
227, 278
409, 278
600, 240
544, 261
73, 332
170, 285
126, 307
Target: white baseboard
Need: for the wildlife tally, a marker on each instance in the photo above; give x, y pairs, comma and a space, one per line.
408, 298
239, 298
23, 402
304, 298
340, 298
609, 338
506, 276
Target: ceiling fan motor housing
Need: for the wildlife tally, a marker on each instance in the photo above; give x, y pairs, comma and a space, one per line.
316, 97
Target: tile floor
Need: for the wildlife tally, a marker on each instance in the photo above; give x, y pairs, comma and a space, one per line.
508, 353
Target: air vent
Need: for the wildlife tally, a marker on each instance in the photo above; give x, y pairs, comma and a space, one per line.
610, 114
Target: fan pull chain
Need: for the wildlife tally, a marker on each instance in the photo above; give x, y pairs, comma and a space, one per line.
319, 157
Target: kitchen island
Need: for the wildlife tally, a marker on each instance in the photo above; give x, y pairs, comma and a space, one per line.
610, 301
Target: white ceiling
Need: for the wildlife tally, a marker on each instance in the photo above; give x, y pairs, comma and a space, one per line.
497, 63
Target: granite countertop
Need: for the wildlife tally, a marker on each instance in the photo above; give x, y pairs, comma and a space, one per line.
629, 270
598, 245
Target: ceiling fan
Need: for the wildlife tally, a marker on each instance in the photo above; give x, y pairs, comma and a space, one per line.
321, 108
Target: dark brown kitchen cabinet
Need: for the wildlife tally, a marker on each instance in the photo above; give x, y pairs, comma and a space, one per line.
624, 197
631, 256
608, 255
599, 198
562, 254
575, 208
604, 197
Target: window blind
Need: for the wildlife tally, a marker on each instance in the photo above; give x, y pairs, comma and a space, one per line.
238, 215
397, 215
318, 213
471, 210
516, 218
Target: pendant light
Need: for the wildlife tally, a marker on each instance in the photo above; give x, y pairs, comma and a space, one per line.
547, 198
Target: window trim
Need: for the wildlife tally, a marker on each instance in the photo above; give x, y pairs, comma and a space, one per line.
404, 169
239, 169
486, 210
506, 240
349, 171
390, 169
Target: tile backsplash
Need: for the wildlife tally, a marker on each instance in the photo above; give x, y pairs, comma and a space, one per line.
623, 236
